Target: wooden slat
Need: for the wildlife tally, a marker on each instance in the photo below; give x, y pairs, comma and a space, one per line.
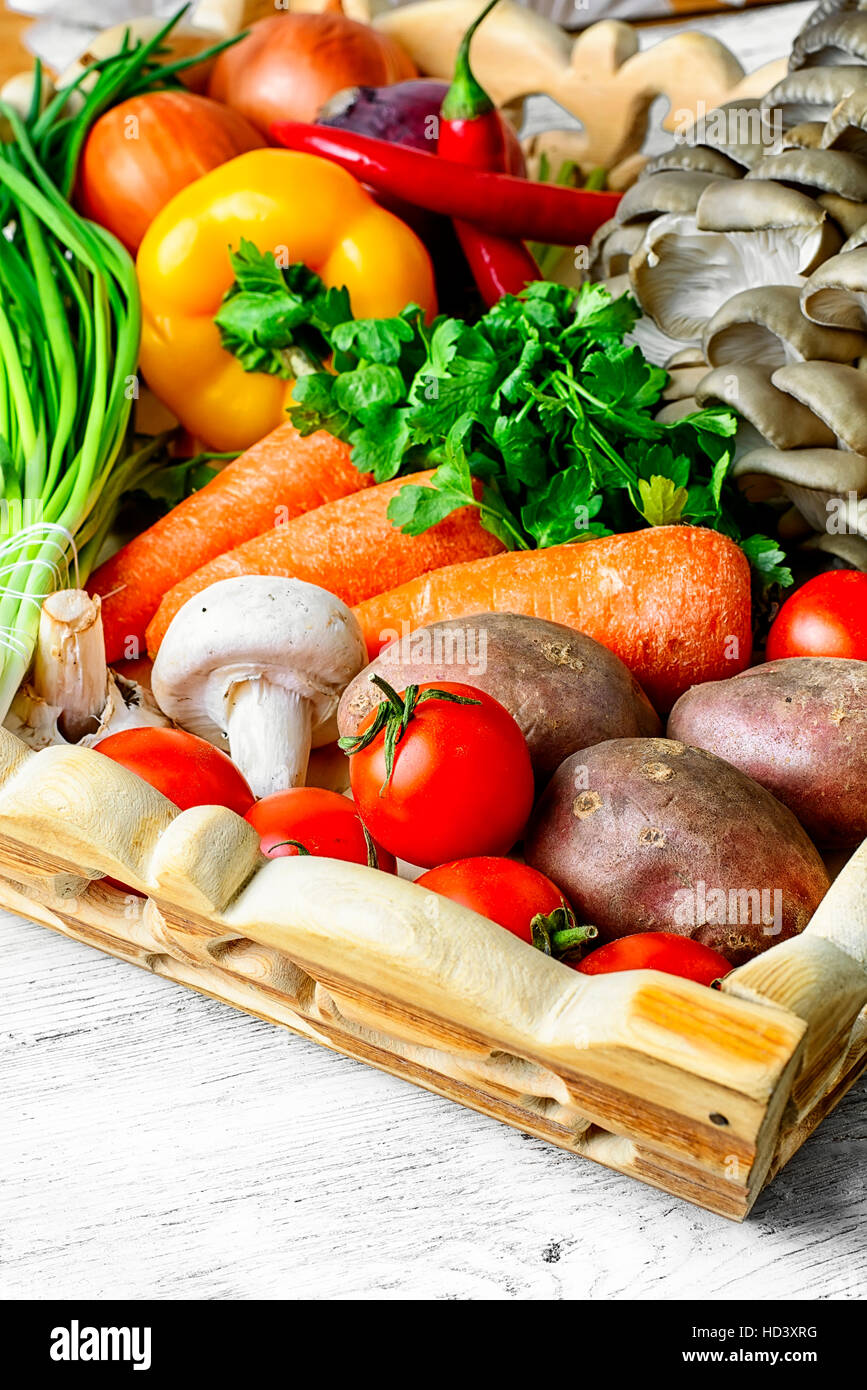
655, 1076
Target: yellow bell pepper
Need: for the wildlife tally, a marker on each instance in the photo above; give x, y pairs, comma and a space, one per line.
303, 209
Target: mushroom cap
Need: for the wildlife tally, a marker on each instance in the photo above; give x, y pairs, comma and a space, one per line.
765, 327
833, 41
691, 356
846, 127
673, 411
752, 205
810, 478
293, 634
837, 394
739, 129
610, 252
698, 159
836, 293
810, 94
816, 171
673, 190
617, 285
774, 416
850, 548
856, 240
848, 215
742, 235
808, 135
682, 382
826, 8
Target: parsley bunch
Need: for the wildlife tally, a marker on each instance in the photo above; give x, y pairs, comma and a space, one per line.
542, 402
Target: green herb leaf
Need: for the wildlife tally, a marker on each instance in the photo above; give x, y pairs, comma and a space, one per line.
662, 501
563, 511
376, 340
276, 320
541, 402
380, 445
765, 556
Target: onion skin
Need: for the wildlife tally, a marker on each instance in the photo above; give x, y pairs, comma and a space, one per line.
144, 151
405, 113
291, 64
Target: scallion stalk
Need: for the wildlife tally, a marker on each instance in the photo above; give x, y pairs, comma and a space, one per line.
70, 324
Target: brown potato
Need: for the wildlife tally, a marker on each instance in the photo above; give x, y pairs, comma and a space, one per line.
799, 727
646, 834
564, 689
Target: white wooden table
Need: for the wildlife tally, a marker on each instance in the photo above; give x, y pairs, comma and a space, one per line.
157, 1144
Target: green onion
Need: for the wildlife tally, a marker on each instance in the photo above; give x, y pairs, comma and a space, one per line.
70, 324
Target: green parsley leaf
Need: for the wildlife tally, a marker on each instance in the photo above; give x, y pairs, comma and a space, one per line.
765, 556
376, 340
563, 511
379, 446
276, 320
662, 501
539, 414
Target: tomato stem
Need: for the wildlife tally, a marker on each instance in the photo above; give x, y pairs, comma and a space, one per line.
372, 857
302, 849
557, 933
393, 715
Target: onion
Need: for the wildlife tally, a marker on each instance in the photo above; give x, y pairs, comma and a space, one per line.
290, 64
144, 151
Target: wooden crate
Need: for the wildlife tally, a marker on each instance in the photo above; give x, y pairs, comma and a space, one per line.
703, 1093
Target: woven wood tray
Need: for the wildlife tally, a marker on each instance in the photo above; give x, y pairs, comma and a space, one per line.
703, 1093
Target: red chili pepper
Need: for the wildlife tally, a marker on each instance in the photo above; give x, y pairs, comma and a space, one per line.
472, 133
497, 203
471, 128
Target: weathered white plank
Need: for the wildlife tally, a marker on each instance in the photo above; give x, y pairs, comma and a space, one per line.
158, 1143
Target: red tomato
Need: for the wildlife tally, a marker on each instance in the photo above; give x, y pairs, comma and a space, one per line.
324, 822
826, 617
509, 893
186, 769
462, 783
657, 950
141, 153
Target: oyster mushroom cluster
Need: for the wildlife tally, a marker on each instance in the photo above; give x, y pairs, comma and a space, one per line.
746, 247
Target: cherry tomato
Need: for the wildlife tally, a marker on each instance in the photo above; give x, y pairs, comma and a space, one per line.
509, 893
461, 783
323, 822
827, 616
186, 769
657, 950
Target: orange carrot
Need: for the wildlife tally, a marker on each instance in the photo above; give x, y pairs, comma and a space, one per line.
282, 476
673, 602
348, 546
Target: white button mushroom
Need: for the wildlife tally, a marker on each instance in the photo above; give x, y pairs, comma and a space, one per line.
261, 661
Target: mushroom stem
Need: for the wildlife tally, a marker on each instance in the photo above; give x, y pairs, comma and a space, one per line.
69, 669
269, 730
